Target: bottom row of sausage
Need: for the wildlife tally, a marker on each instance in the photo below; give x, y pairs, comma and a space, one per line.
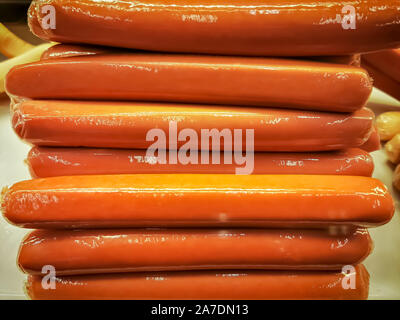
197, 236
196, 264
207, 285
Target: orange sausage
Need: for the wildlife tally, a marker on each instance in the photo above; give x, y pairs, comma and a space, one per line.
243, 81
63, 50
160, 200
206, 285
114, 251
244, 27
383, 81
49, 162
352, 60
126, 125
386, 61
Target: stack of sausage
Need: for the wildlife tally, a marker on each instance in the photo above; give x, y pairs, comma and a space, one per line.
135, 228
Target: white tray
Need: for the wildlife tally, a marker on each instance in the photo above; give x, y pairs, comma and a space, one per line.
383, 264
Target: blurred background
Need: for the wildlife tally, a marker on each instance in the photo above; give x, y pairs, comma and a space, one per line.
13, 16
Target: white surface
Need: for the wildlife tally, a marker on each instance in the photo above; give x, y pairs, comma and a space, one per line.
383, 264
12, 169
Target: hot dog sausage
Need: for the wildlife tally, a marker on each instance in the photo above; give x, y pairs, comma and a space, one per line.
245, 27
382, 81
386, 61
159, 200
132, 125
208, 285
253, 81
63, 50
352, 60
48, 162
114, 251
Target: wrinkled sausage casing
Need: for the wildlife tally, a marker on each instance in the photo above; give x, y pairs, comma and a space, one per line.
206, 285
373, 143
244, 27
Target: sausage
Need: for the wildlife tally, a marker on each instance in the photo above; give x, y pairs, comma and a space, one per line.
207, 285
386, 61
150, 125
373, 143
63, 50
48, 162
383, 81
28, 56
183, 200
103, 251
352, 60
253, 81
245, 27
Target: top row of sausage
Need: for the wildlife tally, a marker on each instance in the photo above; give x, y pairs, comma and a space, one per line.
241, 27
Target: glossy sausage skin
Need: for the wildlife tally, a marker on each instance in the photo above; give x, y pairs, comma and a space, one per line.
373, 143
183, 200
115, 251
382, 81
284, 83
206, 285
50, 162
63, 50
386, 61
127, 125
244, 27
